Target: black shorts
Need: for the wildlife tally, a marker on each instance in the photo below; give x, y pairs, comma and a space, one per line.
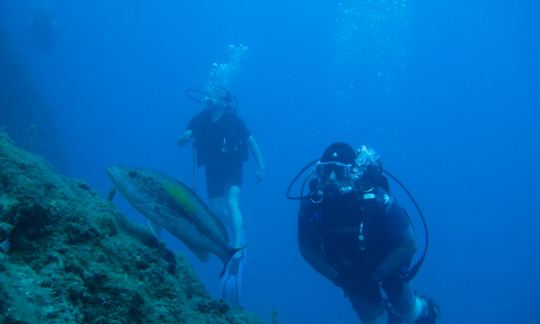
220, 177
367, 299
370, 291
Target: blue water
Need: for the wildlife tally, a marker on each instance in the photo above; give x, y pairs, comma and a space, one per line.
448, 94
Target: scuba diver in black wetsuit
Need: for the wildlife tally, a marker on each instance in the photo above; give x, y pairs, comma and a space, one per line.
353, 232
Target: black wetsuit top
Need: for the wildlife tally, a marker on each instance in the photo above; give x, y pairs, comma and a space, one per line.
224, 140
354, 231
221, 147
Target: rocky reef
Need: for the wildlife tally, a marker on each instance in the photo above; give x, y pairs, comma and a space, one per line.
68, 255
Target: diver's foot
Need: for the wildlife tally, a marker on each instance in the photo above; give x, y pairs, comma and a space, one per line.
433, 312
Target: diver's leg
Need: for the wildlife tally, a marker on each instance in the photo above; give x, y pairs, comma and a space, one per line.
235, 174
405, 304
232, 280
215, 189
218, 206
233, 196
367, 302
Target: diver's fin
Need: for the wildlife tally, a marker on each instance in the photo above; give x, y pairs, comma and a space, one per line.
231, 284
230, 254
111, 194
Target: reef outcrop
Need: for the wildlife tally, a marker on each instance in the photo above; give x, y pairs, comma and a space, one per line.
68, 255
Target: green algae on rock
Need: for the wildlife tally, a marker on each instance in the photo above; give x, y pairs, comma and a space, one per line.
73, 257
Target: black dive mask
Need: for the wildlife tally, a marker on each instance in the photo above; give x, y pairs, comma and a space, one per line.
342, 171
224, 98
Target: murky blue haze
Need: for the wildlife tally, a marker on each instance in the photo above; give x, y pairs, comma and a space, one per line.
447, 92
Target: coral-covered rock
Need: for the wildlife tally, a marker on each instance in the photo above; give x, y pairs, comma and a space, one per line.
69, 256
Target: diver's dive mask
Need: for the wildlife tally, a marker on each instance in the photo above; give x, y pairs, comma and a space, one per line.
215, 101
210, 101
214, 96
342, 171
334, 179
336, 171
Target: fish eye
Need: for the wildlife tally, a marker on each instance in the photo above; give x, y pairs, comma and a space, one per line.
133, 174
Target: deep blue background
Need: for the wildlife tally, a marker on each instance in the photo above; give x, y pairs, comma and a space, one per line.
456, 122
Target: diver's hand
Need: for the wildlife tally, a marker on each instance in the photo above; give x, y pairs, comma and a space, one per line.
184, 139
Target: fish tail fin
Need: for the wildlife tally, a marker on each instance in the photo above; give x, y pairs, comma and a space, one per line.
230, 254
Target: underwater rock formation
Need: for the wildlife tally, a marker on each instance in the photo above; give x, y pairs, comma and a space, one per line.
67, 255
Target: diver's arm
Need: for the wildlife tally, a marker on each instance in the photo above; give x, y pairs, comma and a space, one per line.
402, 254
317, 261
184, 139
257, 155
310, 249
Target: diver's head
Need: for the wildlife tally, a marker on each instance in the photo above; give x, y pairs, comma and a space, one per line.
219, 98
337, 169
